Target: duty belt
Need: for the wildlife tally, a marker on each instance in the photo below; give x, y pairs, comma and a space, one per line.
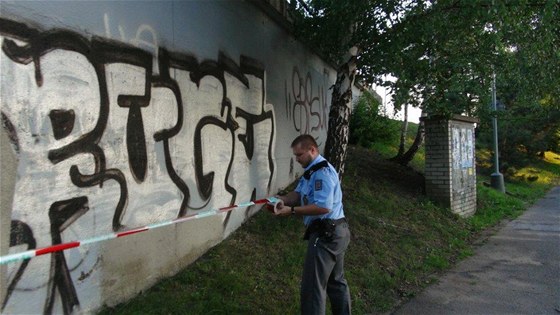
325, 227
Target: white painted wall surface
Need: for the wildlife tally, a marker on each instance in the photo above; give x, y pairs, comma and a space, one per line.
121, 114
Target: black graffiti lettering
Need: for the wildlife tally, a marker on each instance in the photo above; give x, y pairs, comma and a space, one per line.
248, 138
16, 53
184, 62
62, 122
100, 53
11, 130
254, 67
205, 181
176, 180
88, 143
136, 142
113, 52
231, 125
216, 69
61, 215
17, 30
39, 45
81, 181
42, 44
167, 61
20, 233
65, 212
229, 66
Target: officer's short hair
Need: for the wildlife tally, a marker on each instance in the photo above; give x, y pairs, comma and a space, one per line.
306, 142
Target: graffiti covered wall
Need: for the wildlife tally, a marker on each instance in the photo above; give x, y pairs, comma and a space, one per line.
117, 116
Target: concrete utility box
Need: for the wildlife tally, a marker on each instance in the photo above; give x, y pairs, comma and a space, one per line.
450, 163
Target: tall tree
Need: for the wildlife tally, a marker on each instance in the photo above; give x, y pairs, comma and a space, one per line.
339, 20
404, 131
339, 114
335, 28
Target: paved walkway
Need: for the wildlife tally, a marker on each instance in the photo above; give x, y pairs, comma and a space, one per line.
517, 271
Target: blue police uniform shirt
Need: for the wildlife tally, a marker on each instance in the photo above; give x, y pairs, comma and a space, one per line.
322, 189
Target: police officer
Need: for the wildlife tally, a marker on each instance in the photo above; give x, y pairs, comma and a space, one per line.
318, 197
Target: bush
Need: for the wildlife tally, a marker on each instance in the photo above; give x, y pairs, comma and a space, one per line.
526, 130
368, 127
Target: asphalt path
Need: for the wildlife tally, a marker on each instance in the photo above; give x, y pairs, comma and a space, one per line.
516, 271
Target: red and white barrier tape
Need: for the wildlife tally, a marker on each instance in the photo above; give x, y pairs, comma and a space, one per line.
64, 246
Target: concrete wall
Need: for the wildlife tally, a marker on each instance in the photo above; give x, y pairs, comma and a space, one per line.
121, 114
450, 169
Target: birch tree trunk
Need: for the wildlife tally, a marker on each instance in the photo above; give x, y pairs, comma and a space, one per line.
404, 131
418, 140
339, 115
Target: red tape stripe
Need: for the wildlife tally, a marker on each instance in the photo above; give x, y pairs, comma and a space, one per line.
227, 208
56, 248
131, 232
260, 201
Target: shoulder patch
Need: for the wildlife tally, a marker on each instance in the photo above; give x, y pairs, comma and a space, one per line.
319, 184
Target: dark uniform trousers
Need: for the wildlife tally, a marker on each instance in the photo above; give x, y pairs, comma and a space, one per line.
323, 272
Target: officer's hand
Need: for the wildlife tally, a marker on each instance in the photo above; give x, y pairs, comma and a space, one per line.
283, 211
275, 205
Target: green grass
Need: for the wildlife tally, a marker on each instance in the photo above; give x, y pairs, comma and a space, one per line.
523, 187
389, 151
400, 243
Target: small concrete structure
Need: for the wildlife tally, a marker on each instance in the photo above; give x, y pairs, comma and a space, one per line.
450, 169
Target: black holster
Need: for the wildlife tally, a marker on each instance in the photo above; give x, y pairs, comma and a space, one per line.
325, 228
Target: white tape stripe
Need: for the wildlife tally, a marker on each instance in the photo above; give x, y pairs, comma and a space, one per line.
18, 256
98, 239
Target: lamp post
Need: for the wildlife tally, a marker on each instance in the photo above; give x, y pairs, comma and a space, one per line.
496, 179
